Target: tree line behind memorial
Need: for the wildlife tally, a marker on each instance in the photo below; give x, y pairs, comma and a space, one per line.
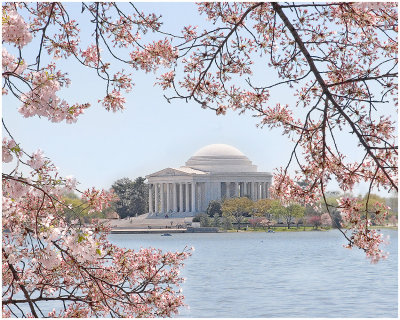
236, 213
233, 213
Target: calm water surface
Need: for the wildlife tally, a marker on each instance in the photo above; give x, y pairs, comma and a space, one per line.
287, 274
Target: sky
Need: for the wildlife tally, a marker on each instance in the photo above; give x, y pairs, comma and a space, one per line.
150, 134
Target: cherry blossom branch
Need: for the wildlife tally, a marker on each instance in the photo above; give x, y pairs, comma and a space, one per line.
325, 89
226, 38
23, 288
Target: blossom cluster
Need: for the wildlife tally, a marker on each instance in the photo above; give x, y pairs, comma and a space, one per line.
43, 101
108, 280
9, 63
9, 148
357, 219
14, 28
154, 55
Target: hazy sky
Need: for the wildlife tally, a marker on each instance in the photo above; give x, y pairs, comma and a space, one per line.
150, 134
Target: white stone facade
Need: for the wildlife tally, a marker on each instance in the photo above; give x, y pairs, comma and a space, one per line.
214, 172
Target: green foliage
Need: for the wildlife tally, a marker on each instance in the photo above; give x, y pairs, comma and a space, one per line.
237, 209
226, 223
77, 209
277, 209
205, 221
197, 218
217, 221
289, 213
293, 211
262, 208
132, 195
214, 209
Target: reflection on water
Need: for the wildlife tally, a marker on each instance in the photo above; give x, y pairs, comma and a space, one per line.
304, 274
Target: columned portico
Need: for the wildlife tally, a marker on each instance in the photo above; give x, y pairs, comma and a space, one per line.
215, 172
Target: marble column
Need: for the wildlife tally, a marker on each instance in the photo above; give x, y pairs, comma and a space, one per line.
244, 188
236, 189
156, 198
194, 197
262, 190
187, 209
175, 202
267, 187
150, 199
253, 189
162, 197
257, 190
181, 197
168, 198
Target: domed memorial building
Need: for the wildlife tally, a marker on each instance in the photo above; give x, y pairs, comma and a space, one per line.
214, 172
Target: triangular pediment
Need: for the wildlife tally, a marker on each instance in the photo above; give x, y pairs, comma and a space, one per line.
169, 172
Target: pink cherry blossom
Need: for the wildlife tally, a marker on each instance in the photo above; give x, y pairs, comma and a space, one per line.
10, 64
15, 30
37, 160
113, 101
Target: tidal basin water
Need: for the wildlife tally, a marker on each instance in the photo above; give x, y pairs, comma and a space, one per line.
286, 274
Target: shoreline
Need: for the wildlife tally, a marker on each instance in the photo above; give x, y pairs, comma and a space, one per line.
214, 230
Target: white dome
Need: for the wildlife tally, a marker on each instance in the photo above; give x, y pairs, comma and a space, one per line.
220, 158
218, 150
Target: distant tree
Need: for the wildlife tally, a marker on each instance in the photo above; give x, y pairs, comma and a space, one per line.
263, 208
205, 220
132, 197
292, 212
197, 217
299, 221
255, 222
77, 209
226, 223
331, 202
370, 205
315, 221
214, 209
326, 220
393, 203
277, 209
287, 213
393, 220
266, 223
217, 221
140, 196
236, 209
